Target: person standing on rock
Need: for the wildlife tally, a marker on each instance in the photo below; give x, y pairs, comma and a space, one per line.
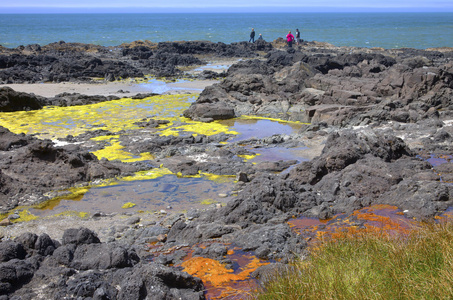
260, 38
252, 36
297, 37
290, 39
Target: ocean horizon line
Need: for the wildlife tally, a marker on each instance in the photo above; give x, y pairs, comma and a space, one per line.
375, 29
219, 10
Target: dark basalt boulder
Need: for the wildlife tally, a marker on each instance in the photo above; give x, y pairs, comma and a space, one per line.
14, 274
9, 140
11, 100
138, 52
11, 250
79, 236
102, 256
209, 111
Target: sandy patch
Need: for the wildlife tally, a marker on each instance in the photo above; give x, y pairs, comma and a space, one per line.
119, 89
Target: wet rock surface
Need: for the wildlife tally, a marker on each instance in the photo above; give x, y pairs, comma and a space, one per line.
379, 114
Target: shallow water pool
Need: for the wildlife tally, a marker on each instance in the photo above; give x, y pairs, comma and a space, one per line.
162, 191
168, 193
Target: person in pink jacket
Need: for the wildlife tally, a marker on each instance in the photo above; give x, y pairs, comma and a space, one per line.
290, 39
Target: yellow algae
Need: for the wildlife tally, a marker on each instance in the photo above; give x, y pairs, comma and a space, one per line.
143, 156
128, 205
115, 115
218, 178
81, 215
25, 216
54, 202
209, 176
115, 152
207, 202
248, 157
196, 127
147, 175
246, 117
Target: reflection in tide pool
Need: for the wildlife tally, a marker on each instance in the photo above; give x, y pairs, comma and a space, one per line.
262, 128
161, 87
147, 195
257, 128
279, 153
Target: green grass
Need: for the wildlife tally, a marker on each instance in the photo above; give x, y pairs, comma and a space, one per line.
372, 266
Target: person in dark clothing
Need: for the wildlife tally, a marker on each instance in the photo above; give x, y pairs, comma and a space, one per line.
252, 36
260, 38
297, 36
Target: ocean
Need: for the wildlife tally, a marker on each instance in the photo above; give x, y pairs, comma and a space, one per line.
387, 30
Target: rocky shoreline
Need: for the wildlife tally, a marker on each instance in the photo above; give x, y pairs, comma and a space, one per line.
378, 114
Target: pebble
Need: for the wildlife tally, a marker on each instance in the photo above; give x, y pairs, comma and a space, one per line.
5, 222
223, 195
97, 215
14, 216
162, 237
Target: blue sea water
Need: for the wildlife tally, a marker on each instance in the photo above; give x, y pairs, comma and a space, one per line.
387, 30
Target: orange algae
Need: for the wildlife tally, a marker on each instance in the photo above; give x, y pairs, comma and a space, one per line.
377, 219
222, 282
301, 223
215, 274
209, 270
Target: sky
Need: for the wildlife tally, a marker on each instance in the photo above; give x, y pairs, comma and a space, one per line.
31, 6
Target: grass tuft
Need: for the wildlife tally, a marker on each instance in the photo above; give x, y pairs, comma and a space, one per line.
415, 265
